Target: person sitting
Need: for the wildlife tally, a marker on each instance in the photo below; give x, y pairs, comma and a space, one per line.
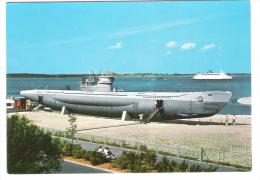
108, 153
100, 149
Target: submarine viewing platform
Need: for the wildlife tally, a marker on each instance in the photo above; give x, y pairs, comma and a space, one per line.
231, 142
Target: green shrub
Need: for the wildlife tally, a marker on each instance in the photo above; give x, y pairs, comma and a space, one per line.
58, 133
68, 149
150, 157
78, 151
210, 169
30, 149
141, 166
134, 162
164, 165
143, 148
195, 168
87, 155
95, 157
120, 162
146, 162
126, 160
65, 147
184, 166
198, 168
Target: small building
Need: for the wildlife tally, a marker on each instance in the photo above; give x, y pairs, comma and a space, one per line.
20, 103
16, 104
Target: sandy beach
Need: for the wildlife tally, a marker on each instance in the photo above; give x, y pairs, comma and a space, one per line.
166, 132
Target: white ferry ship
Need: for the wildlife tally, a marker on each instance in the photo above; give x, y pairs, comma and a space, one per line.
212, 75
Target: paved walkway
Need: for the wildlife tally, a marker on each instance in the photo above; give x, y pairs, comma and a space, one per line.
72, 167
118, 151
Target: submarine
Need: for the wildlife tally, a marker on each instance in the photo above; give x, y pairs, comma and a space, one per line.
97, 97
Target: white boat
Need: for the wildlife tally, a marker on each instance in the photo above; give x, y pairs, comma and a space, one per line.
212, 75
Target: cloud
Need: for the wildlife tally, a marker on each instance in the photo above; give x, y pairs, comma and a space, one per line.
208, 46
159, 26
118, 45
170, 44
168, 53
189, 45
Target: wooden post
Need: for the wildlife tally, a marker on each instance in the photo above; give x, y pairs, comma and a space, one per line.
138, 147
201, 154
245, 147
219, 154
122, 143
178, 152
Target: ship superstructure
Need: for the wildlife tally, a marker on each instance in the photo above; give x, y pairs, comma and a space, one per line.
211, 75
101, 83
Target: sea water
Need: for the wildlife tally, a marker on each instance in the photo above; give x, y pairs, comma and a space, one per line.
240, 86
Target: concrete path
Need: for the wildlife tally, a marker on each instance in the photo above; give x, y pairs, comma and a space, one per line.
118, 151
72, 168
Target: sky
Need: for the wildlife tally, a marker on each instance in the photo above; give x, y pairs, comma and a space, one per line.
128, 37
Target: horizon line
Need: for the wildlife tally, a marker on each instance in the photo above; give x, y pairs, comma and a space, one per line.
116, 73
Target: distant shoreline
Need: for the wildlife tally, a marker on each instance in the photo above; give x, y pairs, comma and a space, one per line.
134, 75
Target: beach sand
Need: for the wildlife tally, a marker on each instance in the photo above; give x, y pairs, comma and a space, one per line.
168, 132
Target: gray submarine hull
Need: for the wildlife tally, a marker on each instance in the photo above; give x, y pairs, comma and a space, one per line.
174, 105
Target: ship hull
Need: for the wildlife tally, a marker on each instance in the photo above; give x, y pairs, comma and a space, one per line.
112, 104
212, 76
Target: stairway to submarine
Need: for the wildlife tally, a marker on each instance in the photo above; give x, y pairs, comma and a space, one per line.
158, 109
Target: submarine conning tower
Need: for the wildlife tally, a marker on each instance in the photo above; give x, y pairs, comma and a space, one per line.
103, 83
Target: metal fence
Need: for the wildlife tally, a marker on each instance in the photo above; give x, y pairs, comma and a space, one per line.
234, 154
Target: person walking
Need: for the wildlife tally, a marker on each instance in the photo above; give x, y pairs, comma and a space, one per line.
234, 120
226, 120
